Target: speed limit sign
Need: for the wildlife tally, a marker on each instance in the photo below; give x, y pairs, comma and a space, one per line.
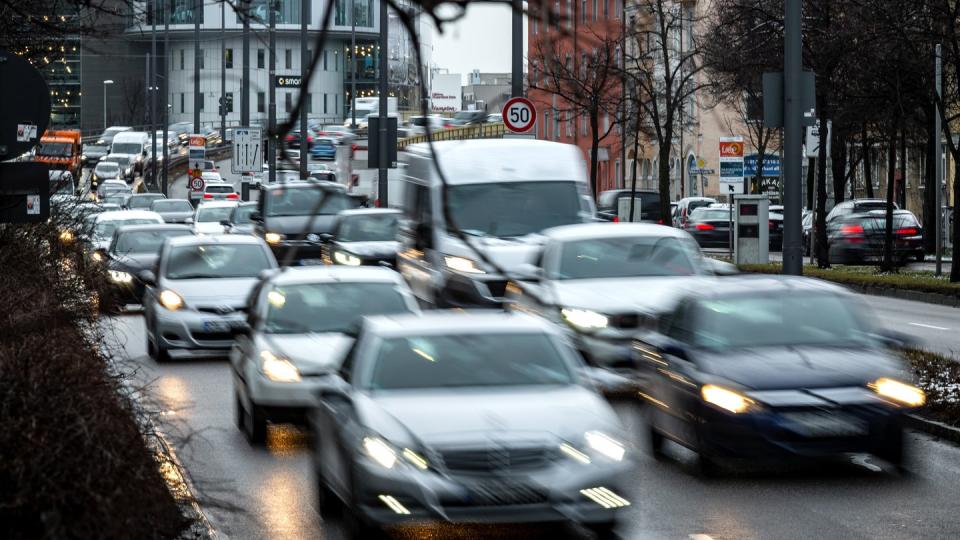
196, 184
519, 114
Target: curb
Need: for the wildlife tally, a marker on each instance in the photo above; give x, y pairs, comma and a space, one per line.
933, 427
907, 294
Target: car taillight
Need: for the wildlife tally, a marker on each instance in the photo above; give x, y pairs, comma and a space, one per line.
660, 221
616, 219
851, 230
770, 224
233, 196
309, 138
908, 231
705, 227
207, 196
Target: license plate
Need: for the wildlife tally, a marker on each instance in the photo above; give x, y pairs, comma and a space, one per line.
825, 424
311, 262
216, 326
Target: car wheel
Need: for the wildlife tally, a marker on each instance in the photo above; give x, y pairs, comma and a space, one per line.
155, 350
921, 256
255, 425
327, 502
239, 413
655, 440
892, 449
359, 528
707, 466
604, 530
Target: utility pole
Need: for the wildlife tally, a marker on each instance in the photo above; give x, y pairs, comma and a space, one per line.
167, 8
353, 65
623, 96
516, 52
382, 172
153, 96
223, 71
683, 157
792, 135
272, 89
197, 10
304, 87
245, 77
938, 158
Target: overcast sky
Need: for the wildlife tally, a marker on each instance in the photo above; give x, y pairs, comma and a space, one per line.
481, 40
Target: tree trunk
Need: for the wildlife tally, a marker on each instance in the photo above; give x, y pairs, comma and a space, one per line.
955, 260
594, 145
929, 193
663, 177
838, 155
633, 174
811, 176
867, 163
888, 264
902, 186
821, 248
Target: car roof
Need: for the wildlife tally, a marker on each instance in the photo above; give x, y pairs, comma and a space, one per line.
345, 274
128, 214
585, 231
369, 212
151, 195
305, 184
627, 190
217, 204
214, 239
157, 227
113, 181
441, 322
518, 160
175, 200
752, 285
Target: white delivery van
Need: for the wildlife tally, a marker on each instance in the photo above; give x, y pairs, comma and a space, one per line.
502, 194
132, 143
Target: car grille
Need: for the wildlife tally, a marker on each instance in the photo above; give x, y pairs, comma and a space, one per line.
496, 288
494, 459
375, 261
625, 320
504, 493
212, 336
221, 310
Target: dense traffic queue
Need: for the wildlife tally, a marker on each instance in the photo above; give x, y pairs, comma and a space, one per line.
364, 325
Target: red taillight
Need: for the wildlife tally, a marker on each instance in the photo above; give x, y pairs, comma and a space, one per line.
909, 231
233, 196
851, 230
771, 225
705, 227
376, 203
616, 219
207, 196
309, 138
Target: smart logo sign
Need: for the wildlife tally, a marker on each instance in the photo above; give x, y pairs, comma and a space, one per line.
731, 164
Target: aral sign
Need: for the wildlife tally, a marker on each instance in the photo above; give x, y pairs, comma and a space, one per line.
731, 165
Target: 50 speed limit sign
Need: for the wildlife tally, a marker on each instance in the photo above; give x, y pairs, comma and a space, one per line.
519, 115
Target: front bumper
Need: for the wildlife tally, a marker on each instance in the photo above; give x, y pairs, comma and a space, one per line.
196, 332
473, 291
305, 250
550, 495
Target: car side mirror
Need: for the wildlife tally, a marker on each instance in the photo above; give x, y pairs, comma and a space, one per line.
226, 223
674, 349
896, 340
606, 381
148, 278
188, 221
720, 268
256, 216
326, 237
527, 272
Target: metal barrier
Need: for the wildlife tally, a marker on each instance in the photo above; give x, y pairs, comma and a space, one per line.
481, 131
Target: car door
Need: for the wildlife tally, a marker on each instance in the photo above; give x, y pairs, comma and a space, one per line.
533, 296
243, 352
417, 239
673, 378
336, 429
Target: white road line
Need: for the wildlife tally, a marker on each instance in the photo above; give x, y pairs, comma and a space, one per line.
700, 537
921, 325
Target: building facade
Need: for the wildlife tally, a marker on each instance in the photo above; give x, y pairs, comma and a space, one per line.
486, 91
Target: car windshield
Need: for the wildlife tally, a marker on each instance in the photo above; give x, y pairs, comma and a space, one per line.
693, 205
337, 129
171, 206
329, 307
94, 148
119, 161
241, 215
214, 214
127, 148
110, 132
136, 202
878, 222
368, 228
636, 256
107, 167
115, 199
777, 321
225, 188
54, 149
464, 115
105, 229
144, 241
215, 261
514, 208
323, 142
469, 359
711, 214
303, 201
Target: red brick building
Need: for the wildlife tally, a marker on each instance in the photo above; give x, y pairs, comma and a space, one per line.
581, 27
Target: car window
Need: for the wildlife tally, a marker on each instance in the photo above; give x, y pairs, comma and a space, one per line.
329, 307
640, 256
140, 202
241, 215
514, 208
105, 229
368, 228
171, 206
469, 359
219, 189
210, 261
214, 214
144, 241
711, 213
303, 201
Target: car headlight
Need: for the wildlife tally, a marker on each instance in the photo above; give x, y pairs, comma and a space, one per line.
273, 238
67, 236
605, 445
279, 369
171, 300
903, 393
380, 451
584, 319
119, 276
83, 157
463, 264
342, 257
729, 400
128, 171
96, 256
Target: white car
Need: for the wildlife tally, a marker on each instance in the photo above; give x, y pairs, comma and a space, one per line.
210, 215
302, 322
105, 224
605, 282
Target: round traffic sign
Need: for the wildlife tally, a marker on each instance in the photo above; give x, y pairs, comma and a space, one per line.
196, 184
519, 114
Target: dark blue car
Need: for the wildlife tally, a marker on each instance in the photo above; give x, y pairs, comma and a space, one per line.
324, 148
774, 367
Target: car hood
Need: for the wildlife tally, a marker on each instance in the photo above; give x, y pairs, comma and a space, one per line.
295, 224
175, 217
623, 295
777, 368
370, 249
507, 253
311, 353
232, 292
134, 262
464, 416
208, 227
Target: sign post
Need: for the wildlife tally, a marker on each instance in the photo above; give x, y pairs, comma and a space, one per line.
731, 164
196, 155
519, 115
247, 156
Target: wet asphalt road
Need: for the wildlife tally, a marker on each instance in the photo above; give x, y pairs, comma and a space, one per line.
272, 487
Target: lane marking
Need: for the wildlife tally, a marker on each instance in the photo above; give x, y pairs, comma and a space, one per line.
921, 325
700, 537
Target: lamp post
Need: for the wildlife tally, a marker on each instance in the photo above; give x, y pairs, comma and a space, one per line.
105, 83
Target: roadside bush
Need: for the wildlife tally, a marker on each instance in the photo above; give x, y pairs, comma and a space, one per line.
868, 276
73, 460
939, 377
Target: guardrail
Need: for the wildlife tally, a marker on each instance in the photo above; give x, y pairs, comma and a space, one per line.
481, 131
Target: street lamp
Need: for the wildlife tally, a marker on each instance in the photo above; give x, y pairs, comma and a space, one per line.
105, 83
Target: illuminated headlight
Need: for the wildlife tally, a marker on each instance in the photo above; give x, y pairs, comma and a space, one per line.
729, 400
584, 319
128, 171
902, 393
605, 445
96, 256
273, 238
279, 369
380, 451
463, 264
171, 300
119, 276
342, 257
83, 157
66, 236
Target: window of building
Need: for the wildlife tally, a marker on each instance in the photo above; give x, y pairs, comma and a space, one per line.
556, 14
288, 58
336, 104
534, 25
261, 59
583, 11
569, 124
606, 11
325, 60
288, 102
182, 59
570, 19
595, 12
336, 60
203, 53
583, 125
229, 101
261, 102
183, 100
325, 104
309, 103
228, 58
